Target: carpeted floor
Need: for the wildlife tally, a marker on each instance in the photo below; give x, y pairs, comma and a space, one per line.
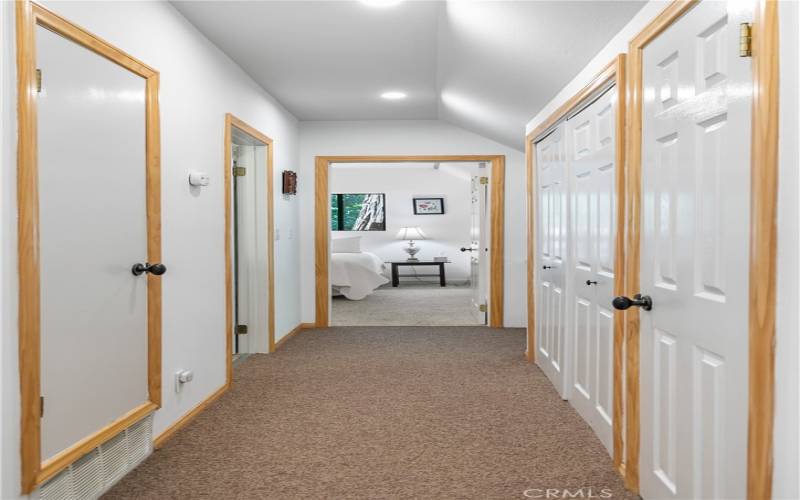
410, 304
383, 413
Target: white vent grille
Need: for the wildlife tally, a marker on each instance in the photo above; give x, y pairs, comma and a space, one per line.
96, 472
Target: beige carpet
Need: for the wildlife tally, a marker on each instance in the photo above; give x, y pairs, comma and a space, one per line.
410, 304
382, 413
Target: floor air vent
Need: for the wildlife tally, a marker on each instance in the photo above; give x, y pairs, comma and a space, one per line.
94, 473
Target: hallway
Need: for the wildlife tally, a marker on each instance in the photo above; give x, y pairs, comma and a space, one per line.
382, 412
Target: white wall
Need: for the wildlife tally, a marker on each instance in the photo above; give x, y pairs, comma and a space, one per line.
401, 183
9, 412
199, 84
412, 137
786, 480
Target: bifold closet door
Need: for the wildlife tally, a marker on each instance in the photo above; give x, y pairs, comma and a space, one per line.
592, 169
92, 230
551, 255
695, 256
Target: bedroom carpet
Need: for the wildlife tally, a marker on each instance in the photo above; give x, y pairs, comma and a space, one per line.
407, 305
383, 413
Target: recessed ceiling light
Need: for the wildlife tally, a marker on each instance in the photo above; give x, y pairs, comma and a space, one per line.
393, 95
380, 3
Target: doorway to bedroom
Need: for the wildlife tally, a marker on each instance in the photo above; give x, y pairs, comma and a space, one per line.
410, 241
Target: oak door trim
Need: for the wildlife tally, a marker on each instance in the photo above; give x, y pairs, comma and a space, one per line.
28, 16
763, 247
763, 240
613, 71
322, 226
232, 122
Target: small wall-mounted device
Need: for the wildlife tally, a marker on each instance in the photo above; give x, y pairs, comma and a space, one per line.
182, 377
198, 179
289, 182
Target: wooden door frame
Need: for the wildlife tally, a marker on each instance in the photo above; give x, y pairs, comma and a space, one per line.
496, 224
28, 16
763, 240
613, 71
232, 122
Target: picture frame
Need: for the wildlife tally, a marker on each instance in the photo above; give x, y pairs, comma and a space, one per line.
428, 206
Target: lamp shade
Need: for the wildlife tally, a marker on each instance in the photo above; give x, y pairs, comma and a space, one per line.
410, 233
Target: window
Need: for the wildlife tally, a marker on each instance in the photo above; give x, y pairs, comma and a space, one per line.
358, 212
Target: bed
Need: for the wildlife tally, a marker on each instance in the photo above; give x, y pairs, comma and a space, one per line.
356, 274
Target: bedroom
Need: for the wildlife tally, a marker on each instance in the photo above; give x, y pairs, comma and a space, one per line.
406, 242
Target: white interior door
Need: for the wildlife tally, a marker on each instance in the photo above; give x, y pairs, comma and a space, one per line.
244, 246
478, 248
552, 192
591, 140
694, 264
250, 244
92, 230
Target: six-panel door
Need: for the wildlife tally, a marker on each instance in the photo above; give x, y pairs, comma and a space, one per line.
551, 256
591, 142
694, 256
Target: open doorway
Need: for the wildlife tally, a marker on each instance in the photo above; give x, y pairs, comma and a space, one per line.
410, 241
249, 251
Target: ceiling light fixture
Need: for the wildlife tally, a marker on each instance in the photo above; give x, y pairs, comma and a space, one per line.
393, 95
380, 3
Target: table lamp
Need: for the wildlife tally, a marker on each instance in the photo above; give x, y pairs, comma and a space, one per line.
411, 234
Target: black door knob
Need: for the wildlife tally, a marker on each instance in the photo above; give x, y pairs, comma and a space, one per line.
547, 267
465, 249
590, 282
644, 301
156, 269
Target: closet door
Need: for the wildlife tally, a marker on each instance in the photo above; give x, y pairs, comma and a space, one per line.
551, 317
92, 230
694, 256
592, 170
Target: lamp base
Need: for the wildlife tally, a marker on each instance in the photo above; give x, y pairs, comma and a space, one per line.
412, 251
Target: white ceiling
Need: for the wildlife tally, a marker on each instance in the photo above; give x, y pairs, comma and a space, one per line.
487, 66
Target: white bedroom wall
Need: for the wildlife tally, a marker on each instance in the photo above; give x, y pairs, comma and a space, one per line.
199, 84
401, 183
412, 137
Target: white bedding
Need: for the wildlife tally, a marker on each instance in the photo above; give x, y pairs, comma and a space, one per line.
356, 275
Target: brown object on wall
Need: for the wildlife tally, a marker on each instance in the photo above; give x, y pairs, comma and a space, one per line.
289, 182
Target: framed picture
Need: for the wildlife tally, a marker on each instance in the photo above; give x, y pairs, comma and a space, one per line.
358, 212
428, 206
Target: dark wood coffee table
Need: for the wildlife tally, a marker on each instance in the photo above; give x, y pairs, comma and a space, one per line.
398, 263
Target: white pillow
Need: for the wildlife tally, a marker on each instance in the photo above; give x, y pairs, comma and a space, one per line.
351, 244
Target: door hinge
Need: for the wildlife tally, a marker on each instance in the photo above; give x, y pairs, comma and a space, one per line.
482, 308
41, 406
38, 80
484, 180
241, 329
745, 40
239, 171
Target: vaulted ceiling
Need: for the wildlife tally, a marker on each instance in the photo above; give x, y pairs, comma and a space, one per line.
486, 66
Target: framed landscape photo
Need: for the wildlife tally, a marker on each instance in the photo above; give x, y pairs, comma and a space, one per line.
428, 206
